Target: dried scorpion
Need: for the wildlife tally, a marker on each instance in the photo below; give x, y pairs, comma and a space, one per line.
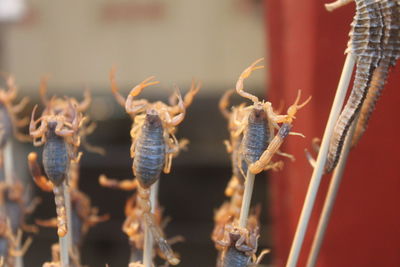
153, 147
9, 242
375, 42
9, 124
257, 125
58, 133
239, 245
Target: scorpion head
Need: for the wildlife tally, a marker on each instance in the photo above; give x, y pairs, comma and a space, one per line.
153, 118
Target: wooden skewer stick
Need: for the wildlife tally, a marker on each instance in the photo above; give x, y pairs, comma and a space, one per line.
320, 164
148, 238
65, 241
248, 191
8, 158
330, 198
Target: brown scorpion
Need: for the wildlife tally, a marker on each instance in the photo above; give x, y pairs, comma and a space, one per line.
153, 147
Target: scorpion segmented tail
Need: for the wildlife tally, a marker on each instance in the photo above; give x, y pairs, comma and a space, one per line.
159, 237
365, 39
61, 210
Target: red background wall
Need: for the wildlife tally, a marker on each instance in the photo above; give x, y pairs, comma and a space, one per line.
306, 45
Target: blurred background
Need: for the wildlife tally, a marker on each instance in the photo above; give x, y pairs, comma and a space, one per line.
76, 43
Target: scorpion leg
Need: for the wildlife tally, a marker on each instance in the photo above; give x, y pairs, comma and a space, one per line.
20, 106
47, 223
43, 90
114, 88
228, 146
338, 3
85, 103
245, 74
261, 256
38, 177
188, 99
287, 155
224, 103
12, 88
126, 185
177, 119
275, 166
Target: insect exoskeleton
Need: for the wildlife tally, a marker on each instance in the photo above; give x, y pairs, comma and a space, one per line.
258, 126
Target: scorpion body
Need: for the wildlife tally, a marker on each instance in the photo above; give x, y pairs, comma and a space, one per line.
55, 156
375, 42
150, 151
153, 147
256, 137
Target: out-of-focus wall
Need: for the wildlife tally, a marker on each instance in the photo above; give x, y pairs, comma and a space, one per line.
77, 42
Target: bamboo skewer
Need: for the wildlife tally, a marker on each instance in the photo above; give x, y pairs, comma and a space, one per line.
320, 164
8, 162
65, 241
330, 198
148, 238
248, 191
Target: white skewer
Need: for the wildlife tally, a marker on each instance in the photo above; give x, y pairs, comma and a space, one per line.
148, 238
320, 164
8, 158
248, 191
65, 241
330, 198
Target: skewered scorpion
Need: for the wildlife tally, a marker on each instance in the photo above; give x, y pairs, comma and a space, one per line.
8, 241
257, 125
239, 245
153, 147
9, 124
60, 139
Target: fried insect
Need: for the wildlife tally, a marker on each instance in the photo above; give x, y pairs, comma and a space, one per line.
9, 123
153, 147
375, 42
239, 245
60, 140
16, 203
258, 125
9, 241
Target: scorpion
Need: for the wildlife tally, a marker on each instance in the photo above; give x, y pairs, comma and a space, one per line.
375, 43
60, 138
257, 125
153, 147
239, 245
9, 123
9, 242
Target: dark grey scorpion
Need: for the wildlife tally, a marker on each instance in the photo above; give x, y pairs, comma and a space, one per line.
153, 147
59, 137
375, 42
252, 131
